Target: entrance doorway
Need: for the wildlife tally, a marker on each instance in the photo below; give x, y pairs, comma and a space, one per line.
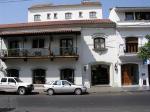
39, 76
100, 74
130, 74
67, 74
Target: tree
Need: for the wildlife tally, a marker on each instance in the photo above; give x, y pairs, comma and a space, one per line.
144, 51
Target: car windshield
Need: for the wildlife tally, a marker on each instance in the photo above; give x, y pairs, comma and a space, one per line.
17, 79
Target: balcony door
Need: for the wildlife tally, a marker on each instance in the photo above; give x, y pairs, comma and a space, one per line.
13, 48
66, 46
131, 44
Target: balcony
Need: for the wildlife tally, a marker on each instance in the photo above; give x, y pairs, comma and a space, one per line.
128, 52
39, 53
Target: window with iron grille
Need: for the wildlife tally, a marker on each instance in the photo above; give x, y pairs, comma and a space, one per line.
99, 43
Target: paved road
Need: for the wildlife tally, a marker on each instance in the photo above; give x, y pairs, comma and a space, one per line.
115, 102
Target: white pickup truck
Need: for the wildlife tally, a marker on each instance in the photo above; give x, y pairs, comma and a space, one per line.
14, 84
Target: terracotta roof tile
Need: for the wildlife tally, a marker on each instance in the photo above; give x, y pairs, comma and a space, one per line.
56, 23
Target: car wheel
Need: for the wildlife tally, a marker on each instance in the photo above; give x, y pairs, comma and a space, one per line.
50, 92
78, 91
21, 91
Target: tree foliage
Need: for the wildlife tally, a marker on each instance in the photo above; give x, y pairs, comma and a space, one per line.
144, 51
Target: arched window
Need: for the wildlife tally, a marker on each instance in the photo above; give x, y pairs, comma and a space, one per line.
13, 73
37, 17
131, 44
99, 43
39, 76
67, 74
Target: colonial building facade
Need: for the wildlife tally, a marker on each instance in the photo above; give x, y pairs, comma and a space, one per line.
75, 43
132, 25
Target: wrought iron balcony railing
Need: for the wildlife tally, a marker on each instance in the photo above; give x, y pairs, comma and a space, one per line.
39, 52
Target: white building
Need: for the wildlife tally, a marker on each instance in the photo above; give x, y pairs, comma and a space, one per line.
81, 48
75, 43
132, 25
50, 12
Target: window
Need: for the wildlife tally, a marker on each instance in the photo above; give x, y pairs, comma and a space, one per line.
131, 45
4, 80
67, 74
57, 83
129, 16
12, 73
65, 83
11, 80
66, 46
68, 15
137, 16
92, 14
55, 15
48, 16
37, 17
39, 76
99, 43
142, 15
80, 15
38, 43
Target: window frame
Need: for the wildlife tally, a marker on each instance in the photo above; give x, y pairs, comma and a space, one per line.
55, 16
68, 15
48, 16
37, 17
3, 79
38, 44
100, 43
129, 13
92, 14
80, 14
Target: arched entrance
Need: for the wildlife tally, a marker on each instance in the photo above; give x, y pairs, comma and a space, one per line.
130, 74
12, 73
39, 76
67, 74
100, 74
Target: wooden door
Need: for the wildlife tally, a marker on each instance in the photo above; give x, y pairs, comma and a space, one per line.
126, 75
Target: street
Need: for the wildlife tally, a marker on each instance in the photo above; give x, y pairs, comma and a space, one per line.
102, 102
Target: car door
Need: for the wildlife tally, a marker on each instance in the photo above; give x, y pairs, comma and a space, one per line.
3, 84
12, 87
67, 87
57, 86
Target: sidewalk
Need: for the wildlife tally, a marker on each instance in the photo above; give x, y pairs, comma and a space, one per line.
107, 89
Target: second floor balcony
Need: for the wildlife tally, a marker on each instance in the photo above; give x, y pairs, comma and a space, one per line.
39, 53
128, 50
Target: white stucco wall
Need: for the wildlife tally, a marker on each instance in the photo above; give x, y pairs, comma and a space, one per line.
61, 13
90, 57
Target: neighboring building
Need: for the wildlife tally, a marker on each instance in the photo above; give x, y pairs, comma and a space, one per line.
50, 12
133, 24
81, 50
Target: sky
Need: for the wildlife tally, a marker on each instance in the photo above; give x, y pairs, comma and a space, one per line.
16, 12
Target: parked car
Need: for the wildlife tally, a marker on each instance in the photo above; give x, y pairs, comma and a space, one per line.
14, 84
63, 86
